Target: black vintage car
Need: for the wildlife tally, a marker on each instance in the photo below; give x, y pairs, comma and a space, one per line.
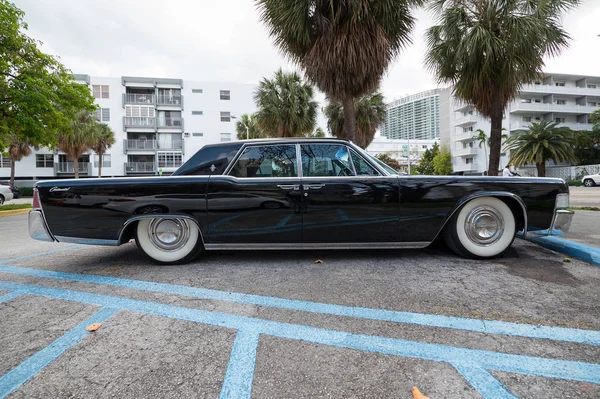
295, 194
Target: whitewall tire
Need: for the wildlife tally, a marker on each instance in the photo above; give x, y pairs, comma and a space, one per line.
169, 240
483, 228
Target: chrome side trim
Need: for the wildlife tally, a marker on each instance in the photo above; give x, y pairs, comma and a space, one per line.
464, 200
154, 216
38, 229
86, 241
319, 245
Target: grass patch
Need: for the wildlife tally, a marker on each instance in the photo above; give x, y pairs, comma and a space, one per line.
12, 207
584, 208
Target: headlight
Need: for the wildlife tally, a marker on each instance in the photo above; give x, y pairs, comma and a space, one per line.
562, 201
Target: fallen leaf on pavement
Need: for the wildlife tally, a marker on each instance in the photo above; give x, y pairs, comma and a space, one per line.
318, 261
417, 394
93, 327
567, 260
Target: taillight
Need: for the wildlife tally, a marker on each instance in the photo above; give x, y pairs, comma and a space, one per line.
36, 199
10, 188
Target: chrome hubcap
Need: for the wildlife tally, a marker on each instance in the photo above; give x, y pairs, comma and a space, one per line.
169, 234
484, 225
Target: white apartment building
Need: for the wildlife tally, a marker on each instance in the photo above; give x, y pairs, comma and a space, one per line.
158, 124
415, 117
567, 99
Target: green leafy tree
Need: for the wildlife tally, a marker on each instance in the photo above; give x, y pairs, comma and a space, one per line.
38, 97
345, 46
387, 159
542, 142
489, 48
586, 147
247, 127
426, 166
105, 138
318, 133
79, 138
286, 106
370, 113
595, 119
442, 162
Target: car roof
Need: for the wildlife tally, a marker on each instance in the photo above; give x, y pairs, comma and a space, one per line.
284, 140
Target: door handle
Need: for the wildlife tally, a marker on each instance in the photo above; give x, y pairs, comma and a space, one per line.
313, 186
289, 186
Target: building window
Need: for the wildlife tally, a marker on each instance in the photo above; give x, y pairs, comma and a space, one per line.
198, 134
169, 159
559, 120
225, 95
139, 110
225, 136
526, 100
100, 91
468, 161
592, 86
197, 112
527, 119
197, 91
537, 100
225, 116
424, 147
592, 103
537, 82
467, 129
561, 102
559, 84
44, 160
102, 114
105, 161
4, 161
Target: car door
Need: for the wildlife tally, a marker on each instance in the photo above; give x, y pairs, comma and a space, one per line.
346, 199
258, 200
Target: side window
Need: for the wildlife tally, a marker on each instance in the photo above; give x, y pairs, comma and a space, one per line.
362, 167
266, 161
326, 160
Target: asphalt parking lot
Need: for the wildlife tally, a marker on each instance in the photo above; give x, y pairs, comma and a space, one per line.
362, 324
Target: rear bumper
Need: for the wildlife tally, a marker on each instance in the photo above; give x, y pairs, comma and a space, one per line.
38, 229
562, 221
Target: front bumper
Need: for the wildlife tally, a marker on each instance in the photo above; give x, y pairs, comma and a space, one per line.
562, 221
38, 228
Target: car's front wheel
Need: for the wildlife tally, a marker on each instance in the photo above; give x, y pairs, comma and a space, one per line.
169, 240
483, 228
589, 183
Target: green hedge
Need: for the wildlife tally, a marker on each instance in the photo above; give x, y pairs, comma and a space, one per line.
26, 191
574, 183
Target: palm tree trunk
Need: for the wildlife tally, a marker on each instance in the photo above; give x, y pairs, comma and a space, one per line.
486, 157
495, 137
349, 118
76, 167
541, 169
12, 172
100, 156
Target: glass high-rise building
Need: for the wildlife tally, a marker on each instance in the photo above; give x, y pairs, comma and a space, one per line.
415, 117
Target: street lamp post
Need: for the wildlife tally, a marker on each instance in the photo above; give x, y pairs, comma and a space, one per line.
246, 126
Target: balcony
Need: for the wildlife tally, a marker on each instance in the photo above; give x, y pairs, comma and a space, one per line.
170, 123
69, 167
140, 167
139, 122
562, 109
170, 100
140, 145
134, 98
470, 167
466, 136
571, 125
547, 89
171, 145
466, 120
465, 152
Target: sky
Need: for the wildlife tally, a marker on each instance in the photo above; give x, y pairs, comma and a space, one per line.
224, 40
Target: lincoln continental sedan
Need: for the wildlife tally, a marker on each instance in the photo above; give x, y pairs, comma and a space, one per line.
296, 194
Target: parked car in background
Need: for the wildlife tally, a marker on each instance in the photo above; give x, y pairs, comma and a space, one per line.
296, 193
16, 192
591, 180
6, 194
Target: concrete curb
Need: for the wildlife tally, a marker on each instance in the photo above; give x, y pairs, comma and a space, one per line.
14, 212
576, 249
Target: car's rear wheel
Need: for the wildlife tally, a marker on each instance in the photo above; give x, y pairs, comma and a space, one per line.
483, 228
169, 240
589, 183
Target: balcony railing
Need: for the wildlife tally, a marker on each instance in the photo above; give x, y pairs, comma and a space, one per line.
140, 145
169, 164
571, 125
548, 89
466, 120
134, 98
164, 99
140, 167
105, 164
470, 167
69, 167
558, 108
139, 121
174, 123
171, 145
465, 136
463, 152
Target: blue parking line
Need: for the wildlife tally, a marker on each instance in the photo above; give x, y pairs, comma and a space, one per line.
487, 360
30, 367
10, 295
483, 381
459, 323
240, 371
284, 221
54, 251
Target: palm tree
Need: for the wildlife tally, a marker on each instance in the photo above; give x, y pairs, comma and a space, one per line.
80, 138
318, 133
542, 142
482, 140
286, 107
345, 46
370, 113
247, 128
105, 138
488, 48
